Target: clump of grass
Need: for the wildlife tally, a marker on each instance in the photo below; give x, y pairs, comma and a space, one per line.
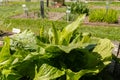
79, 8
103, 15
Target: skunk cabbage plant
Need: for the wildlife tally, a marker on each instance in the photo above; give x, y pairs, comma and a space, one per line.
63, 56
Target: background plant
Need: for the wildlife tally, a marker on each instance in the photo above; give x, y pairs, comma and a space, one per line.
79, 8
103, 15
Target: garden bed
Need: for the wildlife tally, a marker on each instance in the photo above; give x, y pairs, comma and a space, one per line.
34, 15
87, 22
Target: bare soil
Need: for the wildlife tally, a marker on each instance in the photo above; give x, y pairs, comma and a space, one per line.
33, 15
55, 15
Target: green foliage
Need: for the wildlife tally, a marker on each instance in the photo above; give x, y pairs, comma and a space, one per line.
63, 57
103, 15
79, 8
24, 40
110, 32
5, 52
47, 72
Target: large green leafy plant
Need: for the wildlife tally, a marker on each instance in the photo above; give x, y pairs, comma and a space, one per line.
79, 8
56, 55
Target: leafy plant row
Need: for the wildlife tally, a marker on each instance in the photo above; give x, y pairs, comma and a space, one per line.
103, 15
53, 55
79, 8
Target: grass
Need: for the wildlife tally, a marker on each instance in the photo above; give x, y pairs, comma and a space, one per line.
111, 33
32, 24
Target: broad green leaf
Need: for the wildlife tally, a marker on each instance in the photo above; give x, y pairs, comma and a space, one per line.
13, 76
41, 31
68, 30
104, 48
47, 72
70, 47
55, 38
76, 39
93, 58
5, 52
25, 68
62, 48
86, 37
77, 75
41, 44
10, 75
50, 36
81, 37
53, 49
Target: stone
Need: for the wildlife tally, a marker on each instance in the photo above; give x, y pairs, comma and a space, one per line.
116, 49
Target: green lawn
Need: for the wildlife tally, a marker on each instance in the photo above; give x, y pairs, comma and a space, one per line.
102, 31
32, 24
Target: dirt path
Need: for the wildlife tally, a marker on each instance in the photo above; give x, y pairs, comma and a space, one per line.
86, 22
51, 16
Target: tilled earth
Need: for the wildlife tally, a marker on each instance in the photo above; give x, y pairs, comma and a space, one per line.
50, 15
